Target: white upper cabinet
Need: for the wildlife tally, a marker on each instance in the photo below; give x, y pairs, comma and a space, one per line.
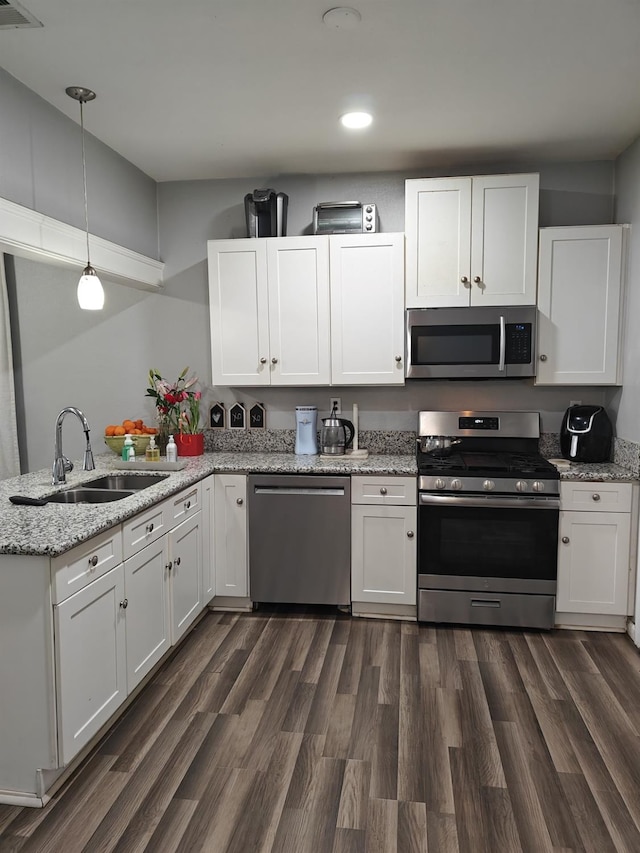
580, 291
471, 240
269, 305
367, 309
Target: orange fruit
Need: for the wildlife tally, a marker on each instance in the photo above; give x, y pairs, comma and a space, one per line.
110, 430
139, 423
119, 430
128, 425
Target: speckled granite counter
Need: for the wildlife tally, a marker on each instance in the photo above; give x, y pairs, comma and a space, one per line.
592, 471
55, 528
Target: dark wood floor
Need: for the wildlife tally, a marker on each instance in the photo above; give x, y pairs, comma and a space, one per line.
315, 732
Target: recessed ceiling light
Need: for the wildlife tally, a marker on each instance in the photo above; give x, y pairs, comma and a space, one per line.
356, 120
342, 18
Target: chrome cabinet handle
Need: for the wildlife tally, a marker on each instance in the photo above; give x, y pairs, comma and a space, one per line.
124, 604
543, 357
263, 361
239, 501
383, 491
176, 562
274, 361
149, 528
477, 279
398, 358
93, 561
409, 534
169, 566
595, 497
187, 504
565, 540
465, 281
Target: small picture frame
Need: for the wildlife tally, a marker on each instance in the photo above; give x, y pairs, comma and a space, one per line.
217, 419
237, 417
257, 416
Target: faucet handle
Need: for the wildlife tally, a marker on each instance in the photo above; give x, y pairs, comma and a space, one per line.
67, 464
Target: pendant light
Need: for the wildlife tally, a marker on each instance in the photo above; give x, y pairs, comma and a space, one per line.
90, 292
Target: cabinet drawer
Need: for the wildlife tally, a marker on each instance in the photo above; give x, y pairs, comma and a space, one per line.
398, 491
146, 527
84, 563
596, 496
185, 503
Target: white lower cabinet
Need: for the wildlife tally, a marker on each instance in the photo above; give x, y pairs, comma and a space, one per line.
185, 566
208, 561
595, 554
230, 535
383, 540
90, 659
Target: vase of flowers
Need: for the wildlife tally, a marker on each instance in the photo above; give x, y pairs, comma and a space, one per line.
178, 412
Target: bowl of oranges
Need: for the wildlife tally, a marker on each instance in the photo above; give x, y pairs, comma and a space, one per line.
140, 434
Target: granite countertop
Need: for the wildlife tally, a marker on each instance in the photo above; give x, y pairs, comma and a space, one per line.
52, 529
593, 471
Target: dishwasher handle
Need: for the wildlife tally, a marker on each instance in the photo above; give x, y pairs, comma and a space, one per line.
300, 490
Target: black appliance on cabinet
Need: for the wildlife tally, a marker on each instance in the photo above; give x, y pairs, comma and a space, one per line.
266, 213
586, 434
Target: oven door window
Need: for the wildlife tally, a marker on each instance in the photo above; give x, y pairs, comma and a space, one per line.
462, 344
488, 542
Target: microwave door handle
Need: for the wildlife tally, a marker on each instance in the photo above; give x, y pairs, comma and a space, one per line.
502, 344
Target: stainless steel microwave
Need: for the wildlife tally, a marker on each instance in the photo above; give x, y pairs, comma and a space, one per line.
471, 343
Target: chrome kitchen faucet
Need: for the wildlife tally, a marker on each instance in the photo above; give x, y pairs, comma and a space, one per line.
60, 462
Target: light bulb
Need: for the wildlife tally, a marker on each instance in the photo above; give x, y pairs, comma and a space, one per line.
90, 291
356, 120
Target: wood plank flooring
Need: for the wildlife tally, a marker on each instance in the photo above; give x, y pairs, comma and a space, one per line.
312, 731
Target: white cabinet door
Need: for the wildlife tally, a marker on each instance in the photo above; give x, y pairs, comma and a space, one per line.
298, 277
208, 555
504, 239
238, 304
593, 562
185, 561
471, 240
383, 554
230, 535
367, 309
580, 305
147, 615
438, 242
91, 674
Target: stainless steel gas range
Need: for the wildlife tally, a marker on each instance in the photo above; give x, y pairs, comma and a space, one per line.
487, 521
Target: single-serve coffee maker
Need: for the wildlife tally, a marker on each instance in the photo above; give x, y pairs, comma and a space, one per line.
306, 431
266, 213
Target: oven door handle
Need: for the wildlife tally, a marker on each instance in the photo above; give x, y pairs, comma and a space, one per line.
480, 501
503, 339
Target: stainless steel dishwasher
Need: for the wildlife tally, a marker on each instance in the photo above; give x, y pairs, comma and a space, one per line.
300, 539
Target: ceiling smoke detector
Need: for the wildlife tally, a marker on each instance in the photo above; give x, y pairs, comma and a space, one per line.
342, 18
14, 16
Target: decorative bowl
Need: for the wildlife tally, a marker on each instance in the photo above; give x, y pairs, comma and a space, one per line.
116, 443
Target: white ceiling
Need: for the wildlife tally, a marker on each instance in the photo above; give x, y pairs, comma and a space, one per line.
191, 89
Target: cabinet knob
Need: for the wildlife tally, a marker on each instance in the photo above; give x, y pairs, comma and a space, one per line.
595, 497
477, 279
274, 361
176, 562
169, 566
149, 528
239, 501
187, 504
565, 540
263, 361
383, 490
543, 357
409, 534
124, 604
398, 359
93, 561
465, 281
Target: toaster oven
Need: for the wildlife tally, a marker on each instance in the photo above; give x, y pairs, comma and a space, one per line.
344, 217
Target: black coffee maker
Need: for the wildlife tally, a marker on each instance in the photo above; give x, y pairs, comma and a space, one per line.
266, 213
586, 434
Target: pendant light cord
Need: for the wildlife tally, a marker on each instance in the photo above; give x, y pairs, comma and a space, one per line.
84, 182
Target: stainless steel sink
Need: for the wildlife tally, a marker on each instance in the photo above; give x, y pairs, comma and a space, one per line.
126, 482
89, 496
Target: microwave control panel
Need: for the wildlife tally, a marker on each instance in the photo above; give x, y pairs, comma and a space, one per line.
518, 343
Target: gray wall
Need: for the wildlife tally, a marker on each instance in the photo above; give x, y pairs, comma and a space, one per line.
41, 168
626, 401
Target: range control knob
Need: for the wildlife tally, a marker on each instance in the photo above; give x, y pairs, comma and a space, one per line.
538, 486
488, 485
456, 484
440, 484
522, 486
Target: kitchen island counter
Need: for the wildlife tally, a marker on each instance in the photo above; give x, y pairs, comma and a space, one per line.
55, 528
